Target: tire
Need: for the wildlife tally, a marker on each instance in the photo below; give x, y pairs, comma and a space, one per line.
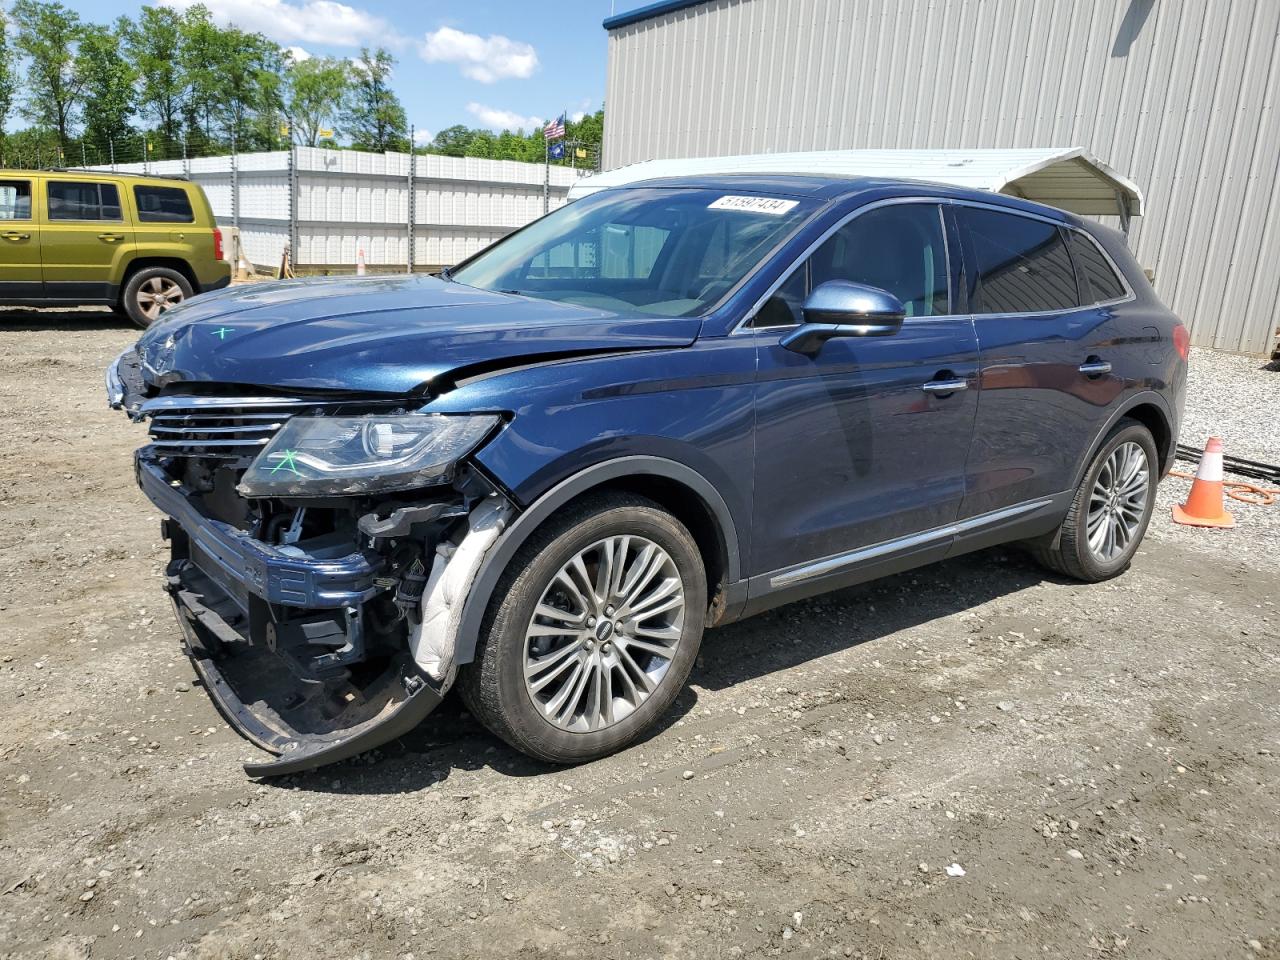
151, 291
1068, 550
494, 687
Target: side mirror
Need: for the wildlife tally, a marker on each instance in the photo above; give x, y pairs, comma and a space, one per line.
839, 308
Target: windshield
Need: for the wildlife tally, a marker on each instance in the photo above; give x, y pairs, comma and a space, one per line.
663, 252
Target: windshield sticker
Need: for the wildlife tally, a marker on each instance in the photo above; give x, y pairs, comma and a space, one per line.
769, 205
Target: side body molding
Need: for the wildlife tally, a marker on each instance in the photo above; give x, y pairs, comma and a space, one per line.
496, 561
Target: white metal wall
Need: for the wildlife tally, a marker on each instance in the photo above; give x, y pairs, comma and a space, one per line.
1179, 95
347, 199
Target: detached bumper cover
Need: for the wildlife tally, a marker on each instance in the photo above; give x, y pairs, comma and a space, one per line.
244, 566
222, 585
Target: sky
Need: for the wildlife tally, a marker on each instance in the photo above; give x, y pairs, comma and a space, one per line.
483, 63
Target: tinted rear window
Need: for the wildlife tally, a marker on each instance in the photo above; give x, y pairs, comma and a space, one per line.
163, 204
1022, 264
1098, 281
71, 200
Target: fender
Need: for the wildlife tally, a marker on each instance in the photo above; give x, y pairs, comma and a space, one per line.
1137, 400
497, 559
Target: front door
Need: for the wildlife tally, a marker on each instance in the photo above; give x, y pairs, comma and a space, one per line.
20, 276
853, 455
85, 239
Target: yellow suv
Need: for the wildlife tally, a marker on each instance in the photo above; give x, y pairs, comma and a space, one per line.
138, 244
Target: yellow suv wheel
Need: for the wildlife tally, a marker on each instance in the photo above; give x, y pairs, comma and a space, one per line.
151, 291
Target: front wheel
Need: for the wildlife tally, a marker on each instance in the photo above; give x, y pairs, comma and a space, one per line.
151, 291
1111, 509
592, 632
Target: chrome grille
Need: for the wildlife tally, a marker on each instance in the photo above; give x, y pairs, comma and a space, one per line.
226, 428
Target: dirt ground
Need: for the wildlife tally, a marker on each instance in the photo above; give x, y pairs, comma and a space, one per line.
1101, 762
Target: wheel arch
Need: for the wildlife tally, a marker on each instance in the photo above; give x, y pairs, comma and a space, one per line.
1149, 409
172, 263
680, 489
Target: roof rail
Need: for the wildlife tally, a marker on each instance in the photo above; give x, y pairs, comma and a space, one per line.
114, 173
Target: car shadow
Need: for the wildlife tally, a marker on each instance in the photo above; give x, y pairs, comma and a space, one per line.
50, 319
451, 739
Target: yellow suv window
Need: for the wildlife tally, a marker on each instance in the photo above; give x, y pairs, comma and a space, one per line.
162, 204
70, 200
15, 199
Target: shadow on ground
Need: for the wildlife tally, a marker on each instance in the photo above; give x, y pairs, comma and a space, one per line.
451, 739
18, 320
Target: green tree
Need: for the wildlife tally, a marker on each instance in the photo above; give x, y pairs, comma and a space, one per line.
107, 79
8, 80
453, 141
251, 71
375, 117
153, 44
315, 91
47, 35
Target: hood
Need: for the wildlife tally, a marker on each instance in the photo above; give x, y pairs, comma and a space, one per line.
379, 334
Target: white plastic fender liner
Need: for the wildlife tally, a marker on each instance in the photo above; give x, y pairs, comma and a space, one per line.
453, 570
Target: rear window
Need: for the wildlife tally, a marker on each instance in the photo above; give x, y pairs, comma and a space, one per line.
71, 200
1022, 265
162, 204
1098, 281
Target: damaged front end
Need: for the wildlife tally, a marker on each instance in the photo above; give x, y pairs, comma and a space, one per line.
322, 547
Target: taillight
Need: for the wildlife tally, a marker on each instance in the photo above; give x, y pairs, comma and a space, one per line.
1181, 341
217, 249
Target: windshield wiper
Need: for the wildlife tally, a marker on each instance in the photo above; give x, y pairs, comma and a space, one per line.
446, 273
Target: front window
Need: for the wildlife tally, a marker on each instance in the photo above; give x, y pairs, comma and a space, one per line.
662, 252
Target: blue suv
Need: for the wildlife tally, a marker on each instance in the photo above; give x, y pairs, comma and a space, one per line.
542, 474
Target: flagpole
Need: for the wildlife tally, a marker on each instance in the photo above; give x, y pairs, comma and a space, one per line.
546, 174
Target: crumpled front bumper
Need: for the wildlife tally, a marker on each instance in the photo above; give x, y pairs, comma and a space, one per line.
224, 585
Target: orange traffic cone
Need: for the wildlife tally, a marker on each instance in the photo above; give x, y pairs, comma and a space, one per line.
1204, 506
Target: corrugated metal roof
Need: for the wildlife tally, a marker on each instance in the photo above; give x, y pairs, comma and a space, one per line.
647, 11
1065, 177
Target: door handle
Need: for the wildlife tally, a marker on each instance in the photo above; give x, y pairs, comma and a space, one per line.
945, 386
109, 237
1095, 368
17, 236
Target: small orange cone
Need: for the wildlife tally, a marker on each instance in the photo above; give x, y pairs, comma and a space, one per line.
1204, 506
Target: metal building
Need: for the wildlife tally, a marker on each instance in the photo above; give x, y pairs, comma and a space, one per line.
1178, 95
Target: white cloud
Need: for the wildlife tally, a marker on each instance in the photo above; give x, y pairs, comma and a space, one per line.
577, 116
307, 21
422, 136
298, 54
496, 119
486, 59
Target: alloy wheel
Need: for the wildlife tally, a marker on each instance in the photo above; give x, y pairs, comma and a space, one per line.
1118, 502
604, 632
158, 294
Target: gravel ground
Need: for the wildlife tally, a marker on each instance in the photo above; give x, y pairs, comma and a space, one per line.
975, 759
1235, 398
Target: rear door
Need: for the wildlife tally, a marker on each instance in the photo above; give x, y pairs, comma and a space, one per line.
20, 274
164, 219
85, 239
1046, 381
852, 451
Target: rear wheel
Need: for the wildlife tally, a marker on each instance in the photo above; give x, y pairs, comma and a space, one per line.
1111, 509
151, 291
592, 632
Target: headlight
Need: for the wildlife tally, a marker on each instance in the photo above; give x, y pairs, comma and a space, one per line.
337, 456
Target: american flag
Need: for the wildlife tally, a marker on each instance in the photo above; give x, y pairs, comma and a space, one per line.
555, 129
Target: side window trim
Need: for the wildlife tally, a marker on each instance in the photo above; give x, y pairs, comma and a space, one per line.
113, 184
803, 261
968, 260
